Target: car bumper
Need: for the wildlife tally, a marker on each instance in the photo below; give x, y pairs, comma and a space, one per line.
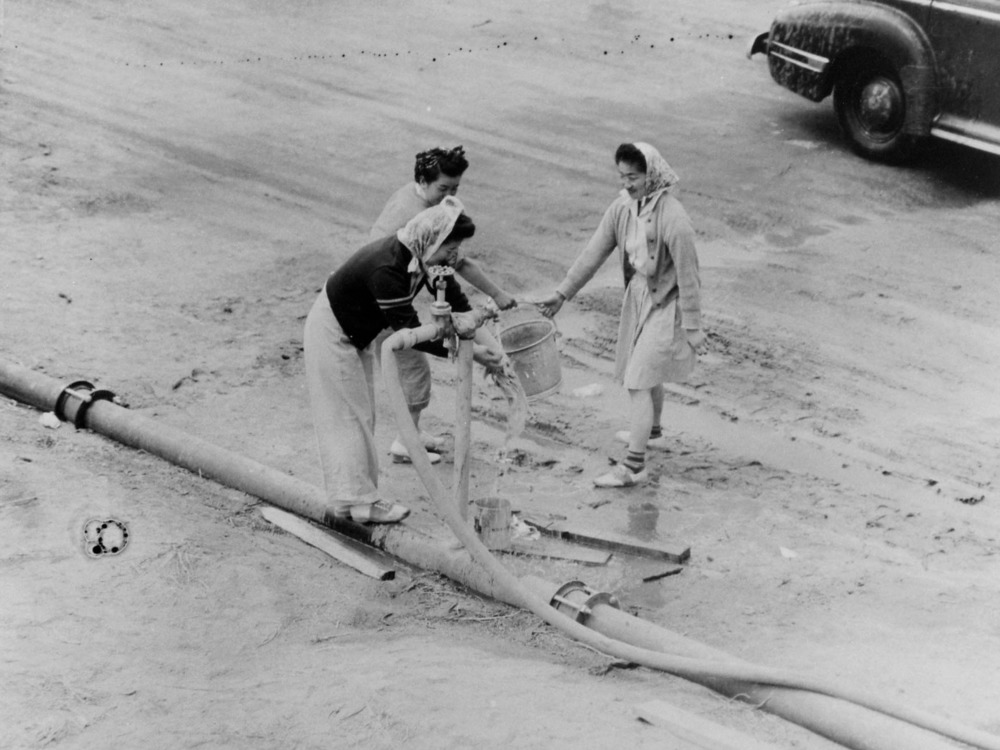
758, 44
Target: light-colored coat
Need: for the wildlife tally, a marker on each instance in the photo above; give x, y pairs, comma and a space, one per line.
673, 260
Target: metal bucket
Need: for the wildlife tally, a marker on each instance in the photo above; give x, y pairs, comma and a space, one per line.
531, 346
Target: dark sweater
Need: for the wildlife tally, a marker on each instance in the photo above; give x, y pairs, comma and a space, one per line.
372, 291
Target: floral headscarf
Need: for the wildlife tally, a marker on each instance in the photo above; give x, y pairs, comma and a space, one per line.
427, 231
659, 175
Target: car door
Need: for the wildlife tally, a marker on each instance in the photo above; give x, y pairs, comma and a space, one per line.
965, 35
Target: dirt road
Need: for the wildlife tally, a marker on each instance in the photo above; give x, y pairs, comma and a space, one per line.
177, 180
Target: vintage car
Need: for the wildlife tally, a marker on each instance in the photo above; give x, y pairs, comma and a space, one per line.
899, 70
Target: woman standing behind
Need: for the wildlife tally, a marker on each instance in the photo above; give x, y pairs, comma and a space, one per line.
437, 174
660, 328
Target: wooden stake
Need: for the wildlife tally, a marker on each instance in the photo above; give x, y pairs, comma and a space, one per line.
671, 571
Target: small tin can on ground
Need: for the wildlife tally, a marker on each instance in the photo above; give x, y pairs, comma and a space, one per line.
492, 522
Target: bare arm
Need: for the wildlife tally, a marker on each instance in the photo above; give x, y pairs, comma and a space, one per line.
486, 350
600, 246
472, 272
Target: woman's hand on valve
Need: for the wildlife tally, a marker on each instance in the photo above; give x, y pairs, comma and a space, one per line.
465, 324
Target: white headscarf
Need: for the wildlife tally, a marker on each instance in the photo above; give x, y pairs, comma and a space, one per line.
659, 175
427, 231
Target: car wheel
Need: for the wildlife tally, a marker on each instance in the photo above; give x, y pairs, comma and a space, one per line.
871, 106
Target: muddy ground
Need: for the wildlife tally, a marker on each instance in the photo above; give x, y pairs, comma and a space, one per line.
179, 177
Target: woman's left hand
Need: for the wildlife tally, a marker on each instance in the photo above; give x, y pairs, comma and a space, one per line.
698, 339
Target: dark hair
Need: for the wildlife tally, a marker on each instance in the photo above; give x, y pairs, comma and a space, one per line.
630, 154
463, 229
431, 164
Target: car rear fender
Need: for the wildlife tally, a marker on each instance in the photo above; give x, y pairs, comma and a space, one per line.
810, 46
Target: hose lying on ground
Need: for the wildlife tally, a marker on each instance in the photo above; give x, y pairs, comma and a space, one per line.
682, 666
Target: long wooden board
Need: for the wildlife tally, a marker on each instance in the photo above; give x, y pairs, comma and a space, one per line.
361, 557
553, 549
695, 731
606, 540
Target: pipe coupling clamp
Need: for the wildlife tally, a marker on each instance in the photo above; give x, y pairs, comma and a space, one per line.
74, 400
584, 608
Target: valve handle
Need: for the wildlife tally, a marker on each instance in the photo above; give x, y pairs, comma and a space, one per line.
440, 271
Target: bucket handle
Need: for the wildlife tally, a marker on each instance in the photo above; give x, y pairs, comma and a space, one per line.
496, 321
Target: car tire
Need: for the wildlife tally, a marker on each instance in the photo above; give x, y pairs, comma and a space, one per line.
871, 105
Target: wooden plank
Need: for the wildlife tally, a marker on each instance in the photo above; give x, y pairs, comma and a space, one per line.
554, 549
606, 540
361, 557
697, 731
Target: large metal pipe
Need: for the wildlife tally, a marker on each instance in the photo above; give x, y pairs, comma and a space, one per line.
242, 473
821, 707
178, 447
187, 451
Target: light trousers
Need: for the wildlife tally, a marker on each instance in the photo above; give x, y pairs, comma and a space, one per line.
341, 384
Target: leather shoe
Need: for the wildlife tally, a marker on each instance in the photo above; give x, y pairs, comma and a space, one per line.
431, 442
400, 455
378, 512
622, 476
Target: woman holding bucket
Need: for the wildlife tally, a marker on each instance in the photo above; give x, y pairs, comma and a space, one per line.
660, 328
